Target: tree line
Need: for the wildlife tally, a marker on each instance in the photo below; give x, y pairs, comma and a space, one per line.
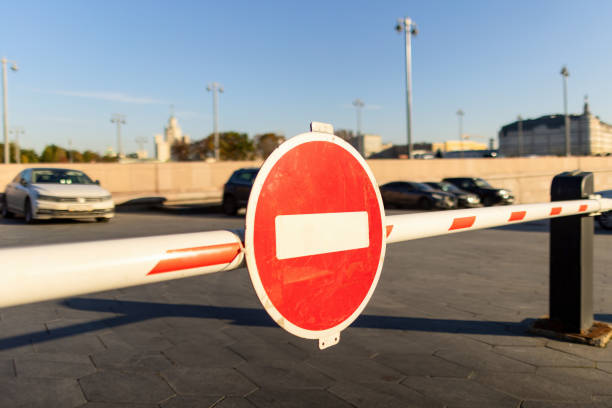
54, 154
232, 146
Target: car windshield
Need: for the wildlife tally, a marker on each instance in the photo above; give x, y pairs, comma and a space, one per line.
58, 176
450, 188
481, 183
422, 187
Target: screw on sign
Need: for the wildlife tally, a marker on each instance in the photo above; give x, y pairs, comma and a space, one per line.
315, 235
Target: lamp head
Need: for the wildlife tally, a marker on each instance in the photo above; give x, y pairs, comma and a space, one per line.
14, 67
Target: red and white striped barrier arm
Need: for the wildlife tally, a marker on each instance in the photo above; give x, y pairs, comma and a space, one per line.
37, 273
422, 225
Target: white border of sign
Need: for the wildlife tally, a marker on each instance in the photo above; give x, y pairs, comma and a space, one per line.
332, 334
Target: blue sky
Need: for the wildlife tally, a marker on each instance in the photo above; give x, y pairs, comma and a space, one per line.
286, 63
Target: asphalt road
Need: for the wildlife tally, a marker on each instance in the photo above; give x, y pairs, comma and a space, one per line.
445, 327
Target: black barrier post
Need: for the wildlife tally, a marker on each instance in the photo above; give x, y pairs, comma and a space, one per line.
571, 257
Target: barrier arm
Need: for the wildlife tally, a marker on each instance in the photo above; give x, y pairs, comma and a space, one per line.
38, 273
422, 225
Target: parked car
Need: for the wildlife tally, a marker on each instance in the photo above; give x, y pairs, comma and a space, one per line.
41, 193
464, 198
411, 194
605, 218
237, 190
488, 194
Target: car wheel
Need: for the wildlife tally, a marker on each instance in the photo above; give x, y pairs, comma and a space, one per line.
230, 207
488, 202
5, 211
605, 220
425, 204
102, 219
27, 212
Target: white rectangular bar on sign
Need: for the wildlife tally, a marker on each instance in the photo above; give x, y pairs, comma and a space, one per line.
314, 234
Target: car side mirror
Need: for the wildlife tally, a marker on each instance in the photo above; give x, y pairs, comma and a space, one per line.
23, 182
97, 182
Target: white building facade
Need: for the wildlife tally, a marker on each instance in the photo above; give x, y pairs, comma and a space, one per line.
172, 134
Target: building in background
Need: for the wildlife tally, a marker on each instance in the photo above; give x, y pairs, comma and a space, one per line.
457, 145
372, 144
172, 134
545, 136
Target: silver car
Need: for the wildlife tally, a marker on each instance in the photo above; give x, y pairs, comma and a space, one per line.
44, 193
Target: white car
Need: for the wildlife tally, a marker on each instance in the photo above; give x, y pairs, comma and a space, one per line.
44, 193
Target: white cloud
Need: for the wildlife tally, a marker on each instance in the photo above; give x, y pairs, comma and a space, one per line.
108, 96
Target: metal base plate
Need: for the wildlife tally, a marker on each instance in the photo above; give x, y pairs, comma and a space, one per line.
598, 335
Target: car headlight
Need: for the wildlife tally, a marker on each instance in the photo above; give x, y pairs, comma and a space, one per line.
43, 197
502, 193
473, 199
437, 196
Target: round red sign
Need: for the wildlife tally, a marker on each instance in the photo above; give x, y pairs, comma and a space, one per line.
314, 235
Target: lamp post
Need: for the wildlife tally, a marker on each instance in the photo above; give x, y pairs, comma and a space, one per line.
565, 74
358, 104
5, 106
460, 114
409, 28
215, 88
520, 135
119, 119
18, 130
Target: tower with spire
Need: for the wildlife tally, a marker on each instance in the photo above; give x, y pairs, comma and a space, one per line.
172, 135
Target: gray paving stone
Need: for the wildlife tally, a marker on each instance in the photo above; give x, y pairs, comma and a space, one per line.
509, 340
287, 398
131, 360
532, 387
40, 392
607, 367
426, 365
581, 350
258, 351
117, 405
77, 344
597, 382
284, 374
354, 370
548, 404
381, 395
121, 387
7, 368
57, 365
208, 381
204, 355
457, 392
179, 401
142, 340
543, 357
234, 402
484, 360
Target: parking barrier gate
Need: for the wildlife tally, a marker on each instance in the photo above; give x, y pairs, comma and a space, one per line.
39, 273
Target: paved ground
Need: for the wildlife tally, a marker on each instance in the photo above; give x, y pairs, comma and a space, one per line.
446, 327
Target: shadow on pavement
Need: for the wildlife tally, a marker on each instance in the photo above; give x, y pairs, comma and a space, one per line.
133, 311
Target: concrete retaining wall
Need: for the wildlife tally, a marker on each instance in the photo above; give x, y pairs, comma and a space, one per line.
528, 178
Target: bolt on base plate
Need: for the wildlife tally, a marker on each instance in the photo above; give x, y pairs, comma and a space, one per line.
598, 335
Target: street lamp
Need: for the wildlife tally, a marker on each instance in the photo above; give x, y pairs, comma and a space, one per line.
520, 135
119, 119
18, 130
358, 104
565, 74
409, 28
215, 88
460, 114
5, 105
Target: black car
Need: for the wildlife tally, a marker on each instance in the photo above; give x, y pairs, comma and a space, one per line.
488, 194
411, 194
464, 198
237, 190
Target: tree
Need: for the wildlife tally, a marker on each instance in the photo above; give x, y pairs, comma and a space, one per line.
29, 156
232, 146
267, 142
54, 154
347, 135
90, 157
181, 151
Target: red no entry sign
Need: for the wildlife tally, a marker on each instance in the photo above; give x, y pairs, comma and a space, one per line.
315, 236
